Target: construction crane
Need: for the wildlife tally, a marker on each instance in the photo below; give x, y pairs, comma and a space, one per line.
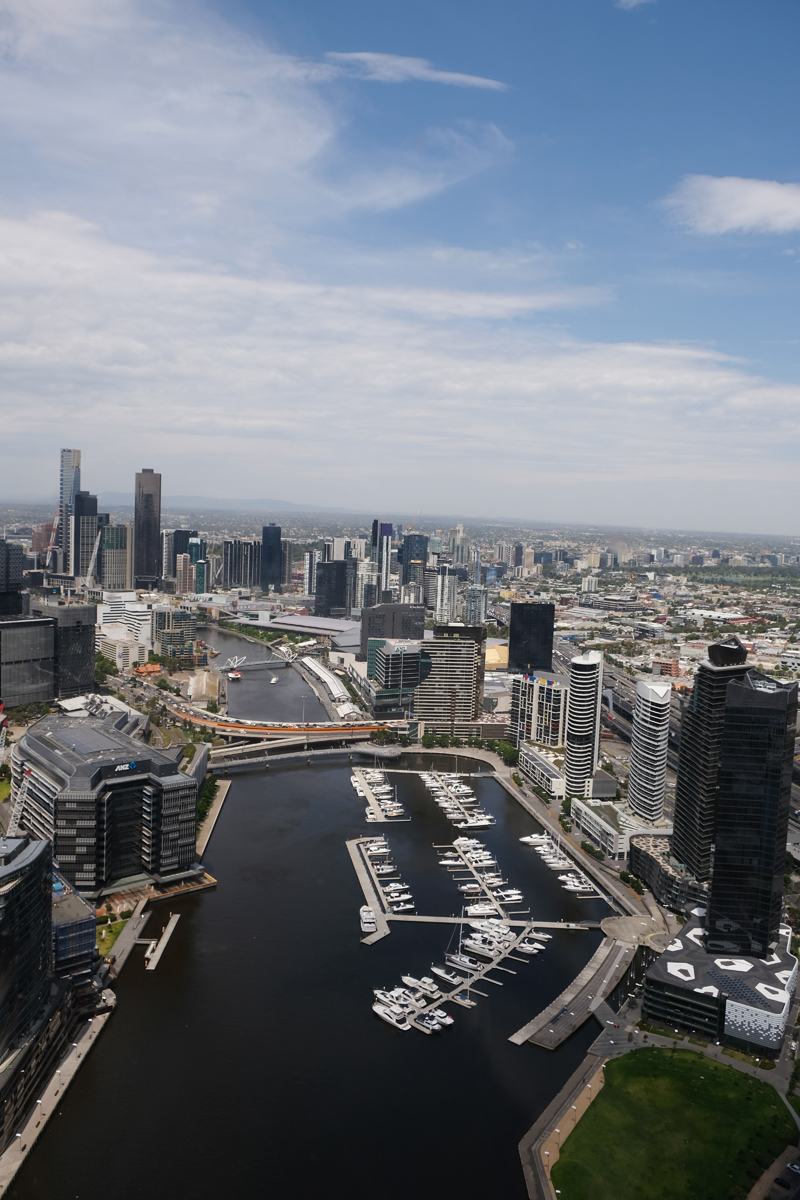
408, 528
19, 804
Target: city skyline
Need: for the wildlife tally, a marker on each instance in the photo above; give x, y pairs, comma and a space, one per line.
453, 258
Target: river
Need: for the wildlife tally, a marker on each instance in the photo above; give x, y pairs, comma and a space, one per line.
250, 1062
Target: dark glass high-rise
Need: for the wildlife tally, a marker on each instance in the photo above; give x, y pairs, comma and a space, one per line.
530, 638
147, 527
698, 763
755, 785
270, 556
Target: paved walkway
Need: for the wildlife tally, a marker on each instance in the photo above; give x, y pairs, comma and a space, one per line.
46, 1105
127, 939
371, 894
207, 828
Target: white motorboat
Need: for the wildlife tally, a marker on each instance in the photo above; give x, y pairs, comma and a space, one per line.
463, 962
396, 1018
526, 947
383, 868
535, 839
425, 985
400, 898
367, 919
370, 815
449, 976
398, 908
543, 937
428, 1022
485, 949
470, 889
481, 910
441, 1016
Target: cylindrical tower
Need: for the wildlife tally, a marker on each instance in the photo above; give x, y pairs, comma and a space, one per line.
647, 783
583, 721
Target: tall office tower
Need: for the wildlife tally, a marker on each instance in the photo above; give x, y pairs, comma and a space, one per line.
327, 550
116, 573
415, 557
287, 561
755, 785
167, 554
449, 693
429, 585
196, 549
476, 567
385, 560
202, 579
12, 561
214, 576
180, 545
111, 806
405, 622
369, 596
375, 540
25, 937
518, 550
476, 634
270, 556
583, 720
27, 660
183, 574
310, 560
539, 710
698, 763
530, 638
242, 563
69, 485
86, 526
647, 782
358, 548
446, 595
342, 548
336, 588
476, 599
73, 645
504, 552
147, 528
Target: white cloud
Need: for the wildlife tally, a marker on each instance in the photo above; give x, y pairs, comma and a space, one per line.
346, 394
392, 68
711, 205
628, 4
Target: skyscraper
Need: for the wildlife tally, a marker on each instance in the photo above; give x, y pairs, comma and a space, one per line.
475, 603
86, 526
180, 545
310, 560
583, 719
147, 528
755, 783
698, 763
446, 595
392, 621
117, 558
287, 562
530, 638
270, 556
68, 485
25, 936
336, 588
647, 782
12, 559
415, 557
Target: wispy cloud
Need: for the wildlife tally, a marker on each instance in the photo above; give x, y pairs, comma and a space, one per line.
711, 205
392, 68
627, 4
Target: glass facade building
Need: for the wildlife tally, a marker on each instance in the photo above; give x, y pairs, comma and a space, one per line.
25, 936
271, 559
530, 638
147, 527
336, 588
415, 557
27, 660
698, 763
755, 779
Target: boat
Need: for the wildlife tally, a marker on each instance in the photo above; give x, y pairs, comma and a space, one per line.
428, 1022
543, 937
527, 947
383, 868
535, 839
274, 679
464, 962
441, 1016
401, 997
367, 916
472, 889
398, 908
396, 1018
234, 676
403, 898
481, 910
485, 949
425, 985
450, 976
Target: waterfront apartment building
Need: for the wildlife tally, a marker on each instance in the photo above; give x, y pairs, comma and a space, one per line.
538, 711
270, 566
702, 725
394, 622
755, 782
147, 528
112, 807
583, 722
448, 696
530, 637
395, 668
647, 780
116, 567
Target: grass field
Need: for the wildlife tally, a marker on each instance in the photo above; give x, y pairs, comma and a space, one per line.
671, 1124
112, 932
5, 789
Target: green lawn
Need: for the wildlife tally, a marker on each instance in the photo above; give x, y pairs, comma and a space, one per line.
112, 932
671, 1124
5, 788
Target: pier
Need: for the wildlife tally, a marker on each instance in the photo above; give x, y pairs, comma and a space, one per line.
476, 876
154, 957
130, 935
369, 886
578, 1002
207, 828
380, 815
512, 924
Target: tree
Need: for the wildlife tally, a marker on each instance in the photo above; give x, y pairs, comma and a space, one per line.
428, 741
508, 753
103, 667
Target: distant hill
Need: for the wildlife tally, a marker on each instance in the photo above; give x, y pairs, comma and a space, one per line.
215, 504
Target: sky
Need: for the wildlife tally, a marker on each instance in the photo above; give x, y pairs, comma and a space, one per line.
533, 259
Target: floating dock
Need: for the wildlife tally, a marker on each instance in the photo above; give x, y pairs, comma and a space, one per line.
154, 958
380, 815
369, 886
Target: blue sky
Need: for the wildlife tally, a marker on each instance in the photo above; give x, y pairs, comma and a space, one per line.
529, 259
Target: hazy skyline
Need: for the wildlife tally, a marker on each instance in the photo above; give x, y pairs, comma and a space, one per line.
534, 261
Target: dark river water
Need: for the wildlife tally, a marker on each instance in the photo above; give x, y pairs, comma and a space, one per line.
250, 1064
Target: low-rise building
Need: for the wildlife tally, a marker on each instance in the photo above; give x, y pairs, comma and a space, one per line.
610, 826
539, 766
672, 884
